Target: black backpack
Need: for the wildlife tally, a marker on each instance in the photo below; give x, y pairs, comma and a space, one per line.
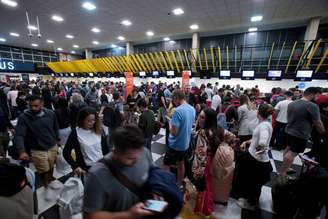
112, 116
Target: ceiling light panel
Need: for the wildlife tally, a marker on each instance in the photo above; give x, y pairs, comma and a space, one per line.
69, 36
150, 33
95, 30
194, 27
76, 46
14, 34
50, 41
57, 18
126, 22
121, 38
32, 27
178, 11
256, 18
89, 6
10, 3
95, 42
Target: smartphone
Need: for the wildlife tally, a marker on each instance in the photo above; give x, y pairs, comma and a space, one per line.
155, 205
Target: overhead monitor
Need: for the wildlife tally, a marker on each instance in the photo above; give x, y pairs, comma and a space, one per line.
72, 74
274, 75
224, 74
247, 75
304, 75
91, 75
170, 74
142, 74
155, 74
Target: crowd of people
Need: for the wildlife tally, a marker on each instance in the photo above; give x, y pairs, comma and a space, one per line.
218, 137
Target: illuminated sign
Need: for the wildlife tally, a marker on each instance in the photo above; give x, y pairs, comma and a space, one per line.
10, 66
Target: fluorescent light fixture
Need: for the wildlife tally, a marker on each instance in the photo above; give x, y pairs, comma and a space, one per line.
121, 38
89, 6
126, 22
95, 30
171, 41
60, 49
166, 38
69, 36
3, 40
32, 27
34, 45
76, 46
150, 33
252, 29
73, 52
113, 46
177, 11
50, 41
14, 34
57, 18
120, 48
9, 3
95, 42
194, 27
256, 18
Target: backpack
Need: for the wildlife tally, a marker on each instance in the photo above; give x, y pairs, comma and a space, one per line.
112, 116
222, 118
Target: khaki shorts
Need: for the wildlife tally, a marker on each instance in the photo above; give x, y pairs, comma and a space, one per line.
44, 161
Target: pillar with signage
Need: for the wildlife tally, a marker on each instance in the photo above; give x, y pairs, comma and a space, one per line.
185, 80
128, 84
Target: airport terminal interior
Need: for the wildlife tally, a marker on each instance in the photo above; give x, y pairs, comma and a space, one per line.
163, 109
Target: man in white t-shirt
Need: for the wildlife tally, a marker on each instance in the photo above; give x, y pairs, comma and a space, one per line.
279, 136
216, 101
209, 92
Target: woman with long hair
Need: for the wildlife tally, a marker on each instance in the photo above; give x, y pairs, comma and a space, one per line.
209, 137
253, 167
86, 140
246, 118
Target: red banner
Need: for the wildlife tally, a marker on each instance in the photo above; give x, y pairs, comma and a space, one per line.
129, 83
185, 80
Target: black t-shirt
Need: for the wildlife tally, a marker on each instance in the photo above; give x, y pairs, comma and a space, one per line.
159, 98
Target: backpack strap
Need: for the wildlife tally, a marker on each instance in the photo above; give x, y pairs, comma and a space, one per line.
132, 187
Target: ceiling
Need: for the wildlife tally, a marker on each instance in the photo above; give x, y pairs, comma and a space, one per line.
212, 16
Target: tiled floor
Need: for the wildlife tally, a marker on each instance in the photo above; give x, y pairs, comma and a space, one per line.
49, 210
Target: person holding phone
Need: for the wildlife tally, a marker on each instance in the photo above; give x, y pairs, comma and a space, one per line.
253, 167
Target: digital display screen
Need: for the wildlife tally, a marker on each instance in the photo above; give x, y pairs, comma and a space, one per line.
91, 74
155, 73
304, 75
247, 75
72, 74
274, 75
142, 74
224, 74
170, 73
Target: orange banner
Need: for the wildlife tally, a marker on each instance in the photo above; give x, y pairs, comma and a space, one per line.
129, 83
185, 80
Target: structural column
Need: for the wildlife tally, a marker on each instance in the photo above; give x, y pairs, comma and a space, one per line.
129, 48
195, 45
311, 31
88, 54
